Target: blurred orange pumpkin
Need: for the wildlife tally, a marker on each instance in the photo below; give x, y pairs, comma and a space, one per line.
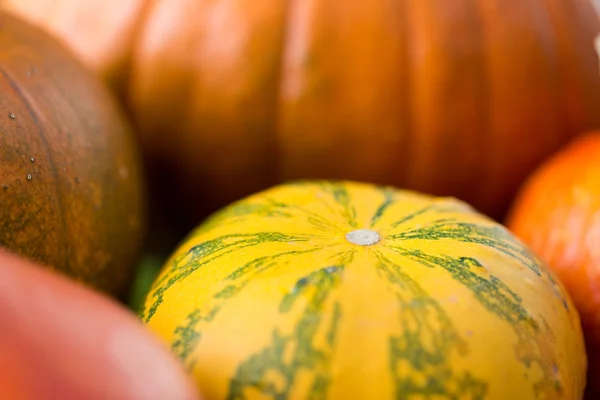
557, 213
454, 97
61, 340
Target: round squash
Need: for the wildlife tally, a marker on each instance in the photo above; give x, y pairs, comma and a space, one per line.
557, 213
60, 340
343, 290
455, 98
71, 189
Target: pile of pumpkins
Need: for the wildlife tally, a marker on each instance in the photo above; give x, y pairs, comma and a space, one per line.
382, 199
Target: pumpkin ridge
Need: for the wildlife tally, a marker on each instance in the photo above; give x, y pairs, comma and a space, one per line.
560, 62
406, 111
484, 103
568, 87
275, 152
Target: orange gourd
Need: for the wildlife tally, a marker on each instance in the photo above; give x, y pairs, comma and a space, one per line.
557, 213
455, 98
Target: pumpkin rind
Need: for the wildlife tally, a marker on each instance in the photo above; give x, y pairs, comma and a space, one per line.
71, 186
269, 299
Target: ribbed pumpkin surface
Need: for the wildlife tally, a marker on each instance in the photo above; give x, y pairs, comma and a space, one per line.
386, 91
271, 299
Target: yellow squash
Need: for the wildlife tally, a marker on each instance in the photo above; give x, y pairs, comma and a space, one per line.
342, 290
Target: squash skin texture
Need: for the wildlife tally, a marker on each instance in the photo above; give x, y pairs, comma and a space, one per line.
72, 191
460, 98
270, 299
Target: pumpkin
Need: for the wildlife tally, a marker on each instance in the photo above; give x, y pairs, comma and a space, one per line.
71, 184
346, 290
557, 213
61, 340
451, 98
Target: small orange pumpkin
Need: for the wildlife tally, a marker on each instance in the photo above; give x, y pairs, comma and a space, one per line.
557, 213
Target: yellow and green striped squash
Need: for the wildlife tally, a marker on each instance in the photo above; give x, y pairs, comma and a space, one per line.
349, 291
